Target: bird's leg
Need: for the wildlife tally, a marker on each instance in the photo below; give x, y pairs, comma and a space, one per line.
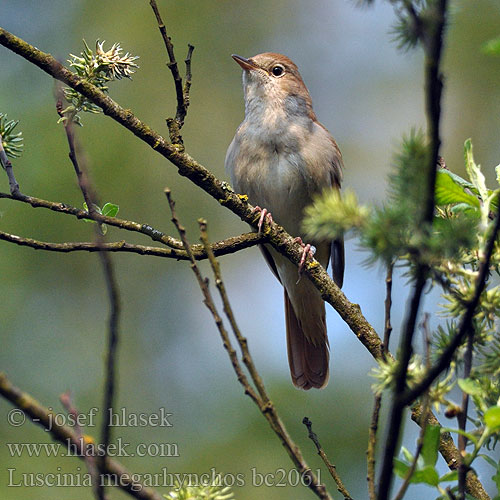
307, 250
264, 214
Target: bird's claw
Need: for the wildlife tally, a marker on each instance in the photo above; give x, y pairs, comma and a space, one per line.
307, 250
264, 214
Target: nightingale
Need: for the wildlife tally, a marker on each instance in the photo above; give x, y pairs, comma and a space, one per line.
280, 157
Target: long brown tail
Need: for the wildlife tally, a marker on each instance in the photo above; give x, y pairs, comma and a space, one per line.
308, 362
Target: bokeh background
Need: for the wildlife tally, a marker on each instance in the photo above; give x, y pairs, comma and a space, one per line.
54, 306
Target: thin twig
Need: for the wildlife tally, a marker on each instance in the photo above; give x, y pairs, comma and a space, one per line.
420, 443
388, 305
91, 200
372, 446
266, 405
111, 352
228, 311
331, 468
220, 248
7, 166
462, 416
41, 415
397, 408
372, 434
208, 301
425, 414
263, 402
181, 92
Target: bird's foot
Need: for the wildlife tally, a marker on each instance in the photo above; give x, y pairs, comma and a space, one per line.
264, 214
307, 250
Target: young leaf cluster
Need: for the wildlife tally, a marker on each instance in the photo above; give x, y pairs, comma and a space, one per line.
98, 68
12, 142
108, 210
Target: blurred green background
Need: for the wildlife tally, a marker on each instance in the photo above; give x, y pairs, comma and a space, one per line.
54, 306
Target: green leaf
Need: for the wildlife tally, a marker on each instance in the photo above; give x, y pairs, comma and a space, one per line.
468, 435
492, 418
96, 208
400, 467
449, 476
497, 170
407, 454
492, 47
110, 209
427, 475
449, 191
470, 386
474, 171
431, 443
465, 208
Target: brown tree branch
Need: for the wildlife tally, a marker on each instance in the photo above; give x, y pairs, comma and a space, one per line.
220, 248
64, 434
387, 306
432, 32
91, 200
321, 452
88, 458
372, 446
181, 92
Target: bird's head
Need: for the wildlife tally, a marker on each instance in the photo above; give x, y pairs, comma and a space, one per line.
275, 79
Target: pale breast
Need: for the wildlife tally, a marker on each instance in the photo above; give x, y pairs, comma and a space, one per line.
280, 172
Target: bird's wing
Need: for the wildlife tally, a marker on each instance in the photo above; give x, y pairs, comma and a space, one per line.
270, 261
337, 254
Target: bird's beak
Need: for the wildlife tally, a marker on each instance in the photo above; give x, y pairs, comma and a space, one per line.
247, 64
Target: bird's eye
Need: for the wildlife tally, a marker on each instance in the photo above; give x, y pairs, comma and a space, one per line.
278, 71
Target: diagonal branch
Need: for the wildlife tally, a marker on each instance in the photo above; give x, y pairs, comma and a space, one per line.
465, 323
321, 452
64, 434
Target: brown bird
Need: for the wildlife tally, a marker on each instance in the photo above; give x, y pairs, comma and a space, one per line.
281, 156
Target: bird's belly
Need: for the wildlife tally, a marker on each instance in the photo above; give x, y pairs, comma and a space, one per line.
277, 184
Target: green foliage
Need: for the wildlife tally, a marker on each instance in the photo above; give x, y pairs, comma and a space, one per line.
331, 216
12, 142
451, 249
109, 210
97, 68
200, 493
425, 467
